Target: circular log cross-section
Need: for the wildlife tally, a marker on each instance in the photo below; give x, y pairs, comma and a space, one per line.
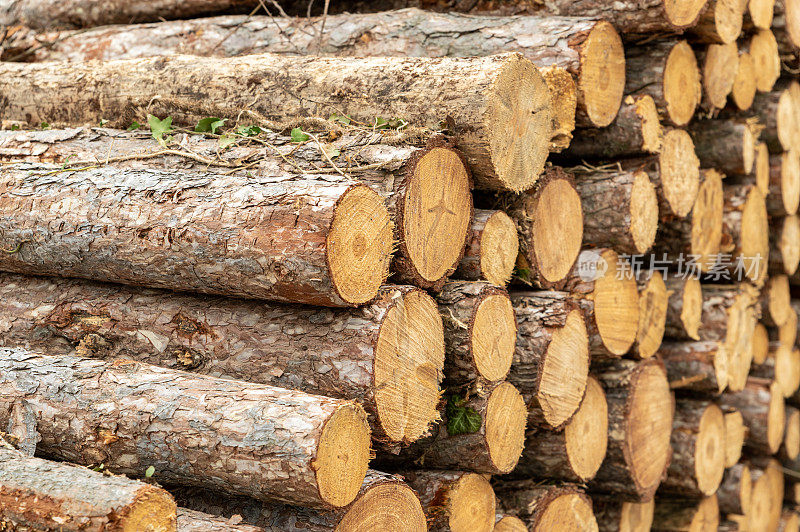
454, 501
721, 22
791, 437
766, 60
673, 515
509, 523
763, 410
760, 343
623, 516
719, 71
683, 13
492, 251
679, 172
745, 230
568, 511
601, 81
384, 503
761, 167
684, 308
653, 300
545, 507
681, 84
761, 13
784, 250
784, 183
735, 490
735, 431
776, 301
744, 84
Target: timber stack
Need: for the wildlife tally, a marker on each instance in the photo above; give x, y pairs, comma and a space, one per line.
402, 265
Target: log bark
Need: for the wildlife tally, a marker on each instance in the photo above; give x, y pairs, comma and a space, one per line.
551, 359
745, 233
673, 515
733, 495
250, 439
640, 411
766, 59
574, 454
777, 110
613, 515
726, 145
719, 63
192, 521
544, 507
667, 71
549, 222
46, 495
620, 210
762, 408
454, 500
744, 84
635, 131
700, 367
684, 308
479, 331
362, 88
735, 432
492, 249
784, 184
289, 239
367, 354
698, 450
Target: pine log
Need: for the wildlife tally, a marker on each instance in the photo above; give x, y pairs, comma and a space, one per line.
614, 515
761, 12
786, 24
733, 495
250, 439
786, 333
790, 521
503, 90
574, 454
758, 515
603, 284
762, 408
640, 411
760, 343
726, 145
674, 515
653, 297
479, 331
744, 84
454, 501
766, 59
719, 63
384, 502
735, 433
792, 494
678, 176
290, 238
784, 184
635, 131
544, 507
720, 22
492, 249
791, 438
549, 222
684, 308
745, 233
767, 504
700, 367
551, 359
761, 167
509, 523
776, 301
192, 521
563, 103
620, 210
777, 111
698, 236
698, 450
37, 494
667, 71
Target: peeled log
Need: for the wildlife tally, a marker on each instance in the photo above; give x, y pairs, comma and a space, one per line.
667, 71
486, 96
766, 59
620, 210
720, 62
544, 507
735, 433
574, 454
675, 515
614, 515
551, 359
744, 84
635, 131
745, 232
696, 366
45, 495
549, 222
684, 308
293, 239
479, 331
778, 111
784, 184
454, 501
249, 439
653, 296
604, 286
698, 450
386, 353
492, 250
762, 408
192, 521
640, 411
726, 145
734, 490
699, 234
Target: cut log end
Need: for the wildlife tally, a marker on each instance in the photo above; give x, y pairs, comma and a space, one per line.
359, 244
679, 171
776, 418
709, 452
652, 131
602, 76
786, 120
692, 307
506, 415
755, 236
616, 304
345, 441
409, 358
778, 299
728, 18
649, 427
387, 506
653, 301
791, 437
744, 85
557, 229
499, 248
683, 13
567, 511
738, 338
471, 504
735, 432
586, 434
681, 84
519, 124
436, 215
761, 167
636, 516
644, 212
761, 12
509, 523
719, 71
494, 334
766, 60
760, 344
563, 100
790, 181
154, 509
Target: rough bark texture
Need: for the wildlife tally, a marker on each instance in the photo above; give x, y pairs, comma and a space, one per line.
491, 258
465, 91
324, 351
192, 521
674, 515
250, 237
546, 507
733, 494
695, 366
726, 145
249, 439
777, 111
763, 414
684, 309
46, 495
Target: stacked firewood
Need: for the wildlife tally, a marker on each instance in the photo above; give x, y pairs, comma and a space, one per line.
446, 265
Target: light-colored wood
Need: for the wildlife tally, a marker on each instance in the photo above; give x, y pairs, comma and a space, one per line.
684, 308
614, 515
492, 250
776, 301
766, 60
762, 407
791, 437
761, 12
784, 184
676, 515
545, 507
563, 102
697, 366
454, 501
720, 22
735, 433
509, 523
720, 63
678, 172
784, 242
745, 233
760, 343
744, 84
653, 300
735, 490
725, 145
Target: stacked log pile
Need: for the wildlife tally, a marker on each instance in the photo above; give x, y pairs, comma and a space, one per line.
402, 265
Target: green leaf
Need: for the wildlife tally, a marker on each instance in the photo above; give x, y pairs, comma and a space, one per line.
210, 125
380, 123
103, 122
134, 125
249, 131
44, 125
226, 140
461, 419
298, 135
159, 127
342, 119
149, 472
15, 127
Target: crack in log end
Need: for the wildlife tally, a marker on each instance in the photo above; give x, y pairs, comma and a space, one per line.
601, 82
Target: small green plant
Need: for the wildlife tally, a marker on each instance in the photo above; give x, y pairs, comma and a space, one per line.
44, 125
210, 125
298, 135
149, 472
249, 131
461, 419
134, 126
159, 128
342, 119
226, 140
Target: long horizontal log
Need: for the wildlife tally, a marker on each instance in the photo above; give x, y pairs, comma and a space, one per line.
454, 500
613, 514
546, 507
684, 308
726, 145
492, 250
763, 410
45, 495
672, 515
288, 238
250, 439
745, 232
192, 521
700, 367
484, 98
